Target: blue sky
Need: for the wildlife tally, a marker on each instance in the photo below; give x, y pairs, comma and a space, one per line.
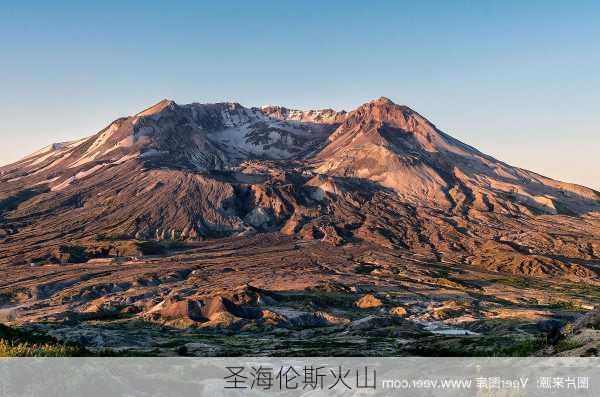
518, 80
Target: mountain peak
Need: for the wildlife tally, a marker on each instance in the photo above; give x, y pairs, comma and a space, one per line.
383, 106
156, 108
382, 101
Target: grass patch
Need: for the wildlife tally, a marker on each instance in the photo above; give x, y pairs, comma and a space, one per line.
150, 248
523, 348
112, 237
364, 268
519, 282
478, 347
173, 244
26, 349
17, 343
72, 253
567, 344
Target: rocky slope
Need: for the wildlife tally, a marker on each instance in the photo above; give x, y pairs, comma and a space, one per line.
399, 149
269, 294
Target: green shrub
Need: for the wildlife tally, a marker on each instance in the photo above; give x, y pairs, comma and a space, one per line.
112, 237
568, 329
150, 248
567, 344
364, 268
173, 244
72, 254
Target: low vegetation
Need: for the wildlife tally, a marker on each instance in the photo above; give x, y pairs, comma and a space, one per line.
16, 343
150, 248
26, 349
72, 254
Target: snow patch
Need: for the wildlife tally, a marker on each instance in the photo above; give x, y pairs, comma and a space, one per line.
15, 179
259, 216
152, 153
83, 174
47, 181
67, 182
126, 158
55, 162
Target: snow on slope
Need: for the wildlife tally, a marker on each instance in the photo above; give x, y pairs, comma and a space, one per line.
398, 148
199, 136
386, 143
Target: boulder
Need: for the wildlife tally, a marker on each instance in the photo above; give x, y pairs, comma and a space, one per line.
371, 322
315, 319
368, 301
398, 311
590, 319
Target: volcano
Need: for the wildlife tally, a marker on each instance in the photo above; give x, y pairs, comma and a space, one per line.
381, 173
377, 180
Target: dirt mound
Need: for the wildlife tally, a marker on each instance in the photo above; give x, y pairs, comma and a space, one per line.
187, 310
196, 311
215, 307
250, 295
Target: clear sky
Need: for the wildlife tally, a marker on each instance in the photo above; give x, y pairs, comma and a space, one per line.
518, 80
